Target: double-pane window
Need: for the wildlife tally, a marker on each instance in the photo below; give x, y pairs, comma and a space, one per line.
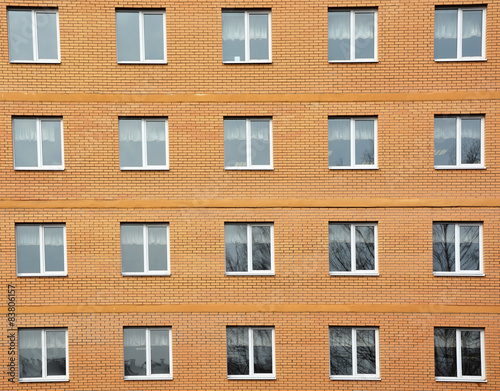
246, 36
352, 35
459, 354
41, 250
250, 352
352, 143
457, 248
147, 353
33, 35
354, 353
38, 143
459, 33
43, 355
353, 248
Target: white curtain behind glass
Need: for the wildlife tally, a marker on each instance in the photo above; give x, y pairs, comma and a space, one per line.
446, 24
155, 130
157, 235
260, 130
258, 27
233, 28
130, 130
138, 338
235, 130
364, 131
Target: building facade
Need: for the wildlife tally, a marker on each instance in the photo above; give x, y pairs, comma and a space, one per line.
222, 195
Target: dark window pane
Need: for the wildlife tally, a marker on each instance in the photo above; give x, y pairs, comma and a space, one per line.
365, 248
51, 143
445, 34
20, 35
366, 355
130, 143
364, 27
340, 351
259, 37
445, 141
472, 33
28, 249
54, 249
158, 250
261, 248
154, 45
25, 142
339, 36
47, 35
56, 353
233, 36
127, 36
443, 247
134, 352
236, 248
160, 354
235, 143
445, 352
365, 142
237, 351
471, 141
263, 351
260, 143
339, 142
156, 143
471, 353
469, 247
340, 247
30, 353
132, 248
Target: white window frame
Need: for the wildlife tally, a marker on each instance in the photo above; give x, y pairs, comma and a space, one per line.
44, 377
252, 375
458, 136
247, 14
146, 271
39, 145
144, 145
44, 273
355, 375
352, 35
248, 139
150, 376
249, 251
460, 378
353, 165
34, 31
459, 34
458, 271
354, 271
142, 45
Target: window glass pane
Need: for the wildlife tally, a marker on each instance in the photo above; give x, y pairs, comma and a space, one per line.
469, 247
156, 143
153, 37
20, 36
237, 351
365, 248
472, 33
365, 145
54, 249
260, 143
160, 355
157, 246
132, 248
47, 35
56, 353
445, 141
339, 36
471, 353
233, 36
445, 352
445, 33
28, 249
127, 36
259, 37
340, 351
339, 142
340, 247
263, 351
236, 248
51, 143
30, 353
235, 144
130, 143
443, 247
134, 352
471, 141
365, 350
25, 142
364, 30
261, 248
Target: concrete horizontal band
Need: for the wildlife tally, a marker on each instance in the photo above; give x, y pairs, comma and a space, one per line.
257, 308
250, 98
256, 203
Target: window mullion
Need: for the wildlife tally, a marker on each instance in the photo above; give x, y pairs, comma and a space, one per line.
249, 142
34, 32
39, 149
142, 48
354, 352
353, 248
459, 352
148, 352
459, 32
250, 352
247, 36
41, 234
457, 248
144, 144
352, 48
353, 142
459, 141
44, 353
145, 239
249, 248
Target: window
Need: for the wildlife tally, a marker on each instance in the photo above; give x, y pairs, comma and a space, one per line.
246, 36
458, 142
354, 353
33, 35
247, 143
145, 249
352, 35
459, 33
147, 353
457, 249
249, 248
352, 143
43, 355
41, 250
459, 354
38, 143
250, 352
353, 248
143, 144
140, 36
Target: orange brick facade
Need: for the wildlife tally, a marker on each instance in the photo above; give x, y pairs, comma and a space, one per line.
299, 90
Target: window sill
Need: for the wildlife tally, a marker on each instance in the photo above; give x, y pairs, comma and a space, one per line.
55, 168
251, 377
136, 378
361, 274
458, 274
167, 274
249, 168
459, 167
250, 273
42, 275
376, 378
162, 62
247, 62
370, 61
461, 380
42, 380
144, 169
353, 168
35, 62
475, 59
